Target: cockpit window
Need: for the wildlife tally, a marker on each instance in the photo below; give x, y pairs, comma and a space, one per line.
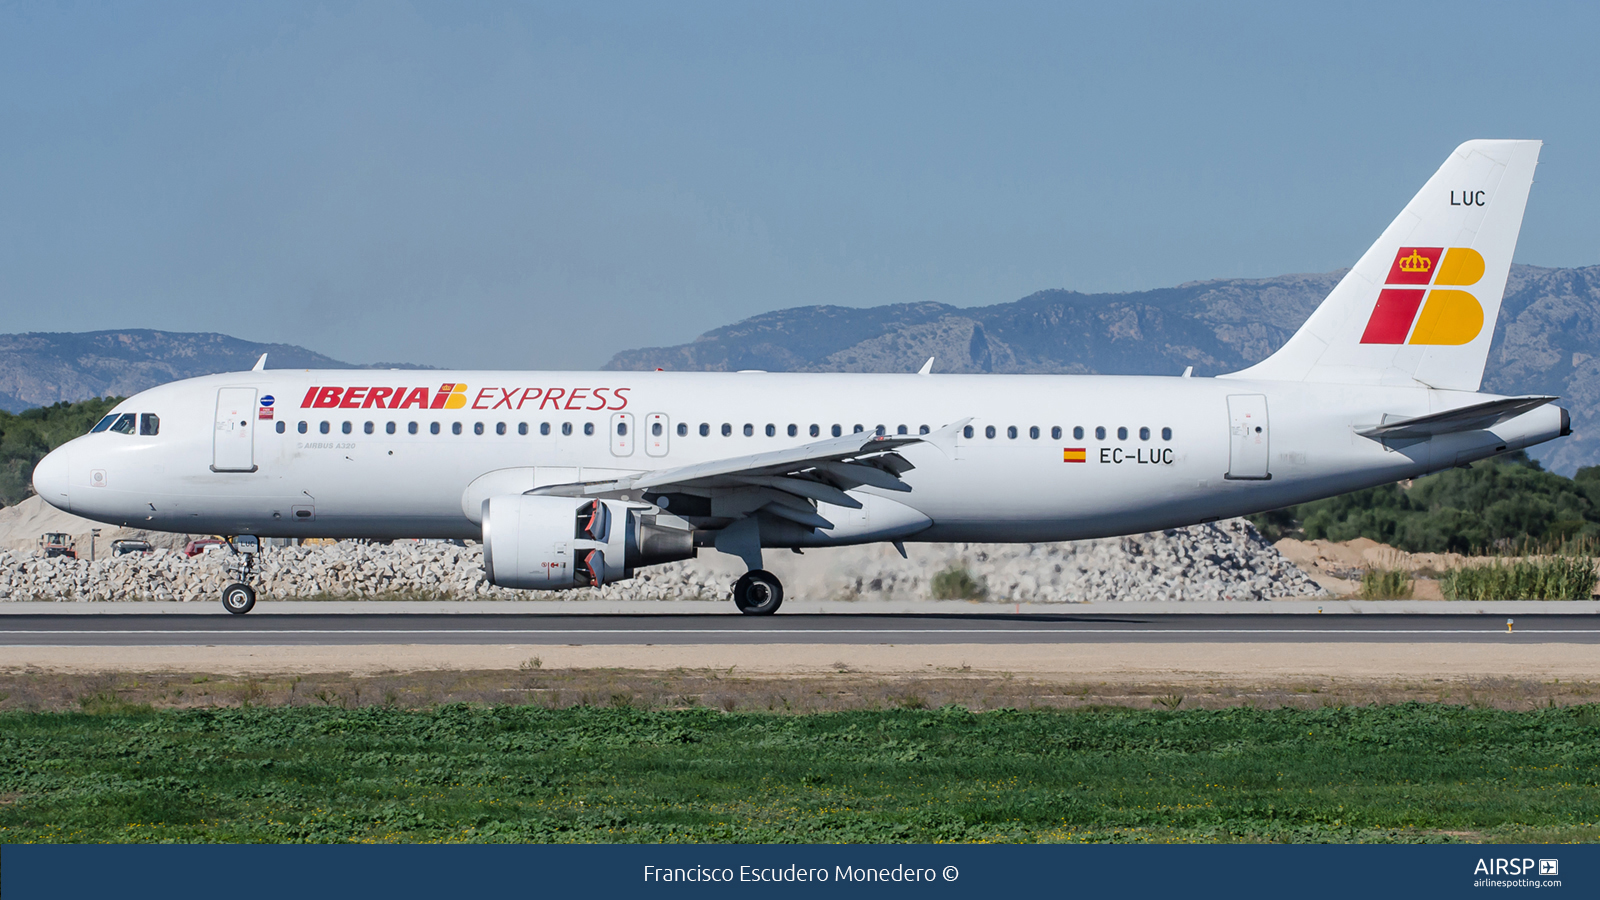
103, 424
149, 423
124, 424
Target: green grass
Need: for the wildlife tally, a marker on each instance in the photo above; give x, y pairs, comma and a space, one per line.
1386, 584
1550, 578
956, 583
1410, 772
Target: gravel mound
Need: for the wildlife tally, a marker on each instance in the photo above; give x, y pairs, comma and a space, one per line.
1221, 561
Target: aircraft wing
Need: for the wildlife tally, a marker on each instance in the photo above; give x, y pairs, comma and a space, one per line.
787, 482
1466, 418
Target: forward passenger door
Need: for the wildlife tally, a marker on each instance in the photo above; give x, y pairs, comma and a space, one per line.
233, 441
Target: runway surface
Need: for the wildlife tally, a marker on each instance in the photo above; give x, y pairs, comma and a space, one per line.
362, 629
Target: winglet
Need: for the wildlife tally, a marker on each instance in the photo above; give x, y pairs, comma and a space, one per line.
945, 438
261, 364
927, 367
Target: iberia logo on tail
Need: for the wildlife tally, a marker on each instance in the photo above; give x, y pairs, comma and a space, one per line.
1449, 317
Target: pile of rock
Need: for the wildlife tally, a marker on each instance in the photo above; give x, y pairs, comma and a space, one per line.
1221, 561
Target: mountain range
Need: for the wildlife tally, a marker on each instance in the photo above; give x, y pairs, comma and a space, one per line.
39, 368
1545, 340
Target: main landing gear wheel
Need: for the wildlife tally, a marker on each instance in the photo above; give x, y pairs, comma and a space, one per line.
238, 598
758, 593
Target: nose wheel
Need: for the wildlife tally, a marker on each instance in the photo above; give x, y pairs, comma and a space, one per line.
238, 598
758, 593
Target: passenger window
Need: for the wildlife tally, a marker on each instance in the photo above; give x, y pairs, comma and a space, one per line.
1011, 432
837, 430
282, 427
566, 429
544, 428
1077, 432
455, 427
683, 430
902, 430
124, 424
369, 428
347, 428
1122, 433
1033, 432
705, 429
988, 432
588, 428
411, 428
477, 428
772, 430
1099, 432
727, 430
794, 430
858, 429
880, 431
655, 429
749, 429
622, 429
433, 427
1055, 432
1166, 434
922, 429
103, 424
816, 430
301, 428
522, 428
388, 428
499, 428
967, 431
1144, 434
149, 424
324, 427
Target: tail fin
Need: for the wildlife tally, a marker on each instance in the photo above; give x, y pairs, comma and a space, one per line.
1421, 304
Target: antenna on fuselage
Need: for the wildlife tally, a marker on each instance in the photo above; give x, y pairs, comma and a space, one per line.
927, 367
261, 364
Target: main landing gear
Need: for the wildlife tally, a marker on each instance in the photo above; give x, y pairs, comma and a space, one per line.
758, 593
239, 597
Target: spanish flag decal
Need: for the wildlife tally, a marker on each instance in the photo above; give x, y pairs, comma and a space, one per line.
1074, 454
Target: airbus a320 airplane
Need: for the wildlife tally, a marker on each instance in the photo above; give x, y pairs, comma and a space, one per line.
572, 479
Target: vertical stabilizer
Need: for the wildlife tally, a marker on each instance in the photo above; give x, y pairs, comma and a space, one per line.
1421, 304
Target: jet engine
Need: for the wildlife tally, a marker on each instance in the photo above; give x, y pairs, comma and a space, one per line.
557, 543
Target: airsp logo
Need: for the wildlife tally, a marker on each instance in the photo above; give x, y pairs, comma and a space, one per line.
1501, 866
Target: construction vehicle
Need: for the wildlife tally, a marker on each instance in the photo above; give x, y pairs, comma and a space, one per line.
58, 543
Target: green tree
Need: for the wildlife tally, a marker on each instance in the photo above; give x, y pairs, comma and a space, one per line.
1495, 504
26, 437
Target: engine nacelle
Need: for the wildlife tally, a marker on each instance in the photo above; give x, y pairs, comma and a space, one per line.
556, 543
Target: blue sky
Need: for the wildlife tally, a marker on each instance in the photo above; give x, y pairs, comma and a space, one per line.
541, 185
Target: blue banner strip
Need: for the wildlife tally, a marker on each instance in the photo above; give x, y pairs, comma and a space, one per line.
246, 872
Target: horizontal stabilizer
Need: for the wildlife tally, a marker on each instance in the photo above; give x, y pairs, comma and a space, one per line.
1467, 418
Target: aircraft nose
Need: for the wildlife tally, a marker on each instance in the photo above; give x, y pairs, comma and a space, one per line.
51, 478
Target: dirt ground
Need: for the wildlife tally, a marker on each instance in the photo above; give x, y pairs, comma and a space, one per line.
841, 689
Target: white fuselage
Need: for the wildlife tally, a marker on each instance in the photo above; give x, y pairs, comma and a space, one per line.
338, 471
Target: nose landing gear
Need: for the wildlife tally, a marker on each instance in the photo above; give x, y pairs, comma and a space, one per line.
758, 593
239, 597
